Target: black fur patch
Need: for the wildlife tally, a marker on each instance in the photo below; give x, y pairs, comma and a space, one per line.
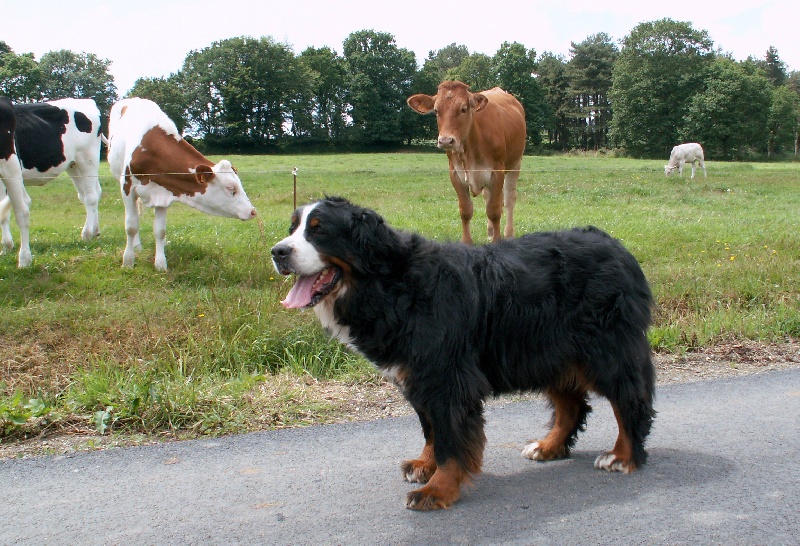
83, 123
8, 123
40, 128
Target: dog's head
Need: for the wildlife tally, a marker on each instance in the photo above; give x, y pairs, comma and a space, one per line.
331, 244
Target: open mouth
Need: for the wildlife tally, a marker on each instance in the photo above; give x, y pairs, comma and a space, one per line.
308, 290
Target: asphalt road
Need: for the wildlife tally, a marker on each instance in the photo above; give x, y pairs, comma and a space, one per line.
724, 469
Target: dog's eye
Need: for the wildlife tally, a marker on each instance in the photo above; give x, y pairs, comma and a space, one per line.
315, 226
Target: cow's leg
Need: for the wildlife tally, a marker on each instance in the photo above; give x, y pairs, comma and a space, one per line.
160, 233
694, 163
464, 206
131, 226
680, 167
83, 173
20, 201
458, 450
510, 199
703, 166
493, 194
5, 221
570, 409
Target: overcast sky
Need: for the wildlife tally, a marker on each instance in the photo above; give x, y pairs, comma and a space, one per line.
150, 38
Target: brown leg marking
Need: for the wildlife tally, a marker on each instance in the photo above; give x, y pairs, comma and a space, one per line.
420, 470
442, 490
619, 459
553, 446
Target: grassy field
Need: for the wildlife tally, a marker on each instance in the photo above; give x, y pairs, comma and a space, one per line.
84, 341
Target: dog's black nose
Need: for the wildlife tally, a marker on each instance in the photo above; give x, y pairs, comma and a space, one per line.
280, 252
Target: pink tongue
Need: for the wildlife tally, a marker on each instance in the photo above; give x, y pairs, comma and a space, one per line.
301, 292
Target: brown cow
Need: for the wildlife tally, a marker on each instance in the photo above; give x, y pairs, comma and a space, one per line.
484, 137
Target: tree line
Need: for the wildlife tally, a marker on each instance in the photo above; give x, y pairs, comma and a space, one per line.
662, 84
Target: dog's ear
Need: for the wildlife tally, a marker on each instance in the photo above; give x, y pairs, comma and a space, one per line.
376, 246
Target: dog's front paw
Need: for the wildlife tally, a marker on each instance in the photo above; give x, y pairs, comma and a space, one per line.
538, 451
430, 498
418, 470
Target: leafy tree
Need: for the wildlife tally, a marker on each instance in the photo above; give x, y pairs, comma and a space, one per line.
553, 79
328, 88
20, 77
515, 67
443, 60
5, 48
589, 74
784, 116
167, 93
241, 90
774, 67
425, 80
78, 75
659, 70
380, 75
793, 81
477, 71
730, 116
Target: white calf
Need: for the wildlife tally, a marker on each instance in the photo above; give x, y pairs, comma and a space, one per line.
691, 152
156, 167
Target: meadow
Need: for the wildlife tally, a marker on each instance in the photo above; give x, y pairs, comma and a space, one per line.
191, 350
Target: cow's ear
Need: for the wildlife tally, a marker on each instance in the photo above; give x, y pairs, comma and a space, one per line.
204, 174
421, 103
480, 101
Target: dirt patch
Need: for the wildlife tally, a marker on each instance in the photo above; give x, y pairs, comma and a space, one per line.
378, 400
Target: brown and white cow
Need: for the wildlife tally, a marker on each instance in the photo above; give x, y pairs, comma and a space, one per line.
157, 167
51, 138
484, 137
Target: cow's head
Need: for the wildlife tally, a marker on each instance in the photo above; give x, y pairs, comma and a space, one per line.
668, 169
224, 194
454, 106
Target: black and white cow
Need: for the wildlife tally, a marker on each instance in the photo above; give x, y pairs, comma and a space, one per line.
51, 137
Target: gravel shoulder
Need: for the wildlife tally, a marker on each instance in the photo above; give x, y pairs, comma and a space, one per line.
378, 400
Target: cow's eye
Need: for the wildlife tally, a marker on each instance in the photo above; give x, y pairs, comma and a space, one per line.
464, 109
232, 190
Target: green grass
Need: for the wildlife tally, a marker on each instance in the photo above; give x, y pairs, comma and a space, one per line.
191, 349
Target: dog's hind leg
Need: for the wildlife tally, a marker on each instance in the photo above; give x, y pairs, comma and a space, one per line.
634, 419
632, 402
420, 470
570, 409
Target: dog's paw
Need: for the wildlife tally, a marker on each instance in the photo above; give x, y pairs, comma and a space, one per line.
417, 470
536, 451
609, 461
428, 498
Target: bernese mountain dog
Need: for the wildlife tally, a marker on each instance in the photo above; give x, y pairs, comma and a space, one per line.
564, 313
